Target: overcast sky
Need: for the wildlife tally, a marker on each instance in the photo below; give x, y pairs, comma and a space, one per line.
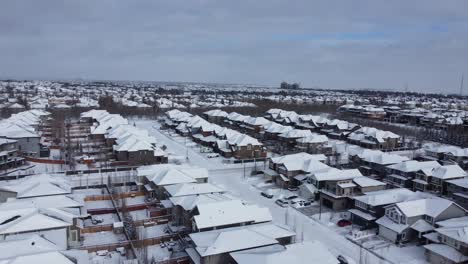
331, 44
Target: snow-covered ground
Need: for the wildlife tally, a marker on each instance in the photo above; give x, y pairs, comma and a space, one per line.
233, 179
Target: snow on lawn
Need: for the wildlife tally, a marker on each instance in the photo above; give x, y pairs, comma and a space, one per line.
93, 239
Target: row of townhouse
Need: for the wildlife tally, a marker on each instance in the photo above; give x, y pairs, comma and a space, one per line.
227, 142
283, 138
121, 142
441, 118
41, 221
366, 137
220, 227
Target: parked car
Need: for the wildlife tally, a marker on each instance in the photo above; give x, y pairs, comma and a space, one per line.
292, 197
282, 202
298, 202
342, 259
212, 155
267, 195
343, 223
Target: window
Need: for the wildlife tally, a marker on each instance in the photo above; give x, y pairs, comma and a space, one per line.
249, 147
403, 235
403, 219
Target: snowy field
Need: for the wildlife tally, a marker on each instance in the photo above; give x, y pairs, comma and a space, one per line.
234, 179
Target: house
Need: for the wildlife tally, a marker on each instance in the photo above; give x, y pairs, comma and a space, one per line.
35, 248
289, 138
155, 177
371, 205
293, 169
457, 190
27, 139
373, 163
435, 179
245, 147
138, 150
55, 225
9, 154
215, 115
411, 220
338, 129
273, 130
403, 173
185, 189
373, 138
214, 247
449, 242
34, 186
183, 209
255, 125
228, 213
314, 144
340, 186
312, 251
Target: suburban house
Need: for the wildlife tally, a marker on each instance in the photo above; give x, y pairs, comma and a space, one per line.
403, 173
449, 243
314, 144
228, 213
27, 139
373, 163
273, 130
9, 154
340, 185
411, 220
373, 138
312, 251
338, 129
371, 205
34, 186
255, 125
457, 190
293, 169
214, 247
216, 115
155, 177
435, 179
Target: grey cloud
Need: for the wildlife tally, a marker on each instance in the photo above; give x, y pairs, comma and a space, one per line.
333, 44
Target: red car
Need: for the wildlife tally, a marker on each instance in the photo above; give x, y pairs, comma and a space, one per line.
343, 223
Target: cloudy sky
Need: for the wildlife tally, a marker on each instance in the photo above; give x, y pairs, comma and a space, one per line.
330, 43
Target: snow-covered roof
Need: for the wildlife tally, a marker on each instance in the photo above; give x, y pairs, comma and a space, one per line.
238, 238
382, 158
168, 174
297, 133
188, 203
431, 207
31, 245
28, 220
46, 257
300, 161
448, 172
53, 201
229, 212
447, 252
336, 175
312, 251
367, 182
184, 189
216, 112
10, 129
379, 135
385, 197
38, 185
414, 165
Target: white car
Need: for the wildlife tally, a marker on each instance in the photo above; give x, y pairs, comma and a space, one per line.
212, 155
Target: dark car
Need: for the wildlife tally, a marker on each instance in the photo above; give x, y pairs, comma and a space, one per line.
267, 195
291, 197
343, 223
342, 259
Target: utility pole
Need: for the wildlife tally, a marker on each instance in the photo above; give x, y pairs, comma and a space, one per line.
461, 86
